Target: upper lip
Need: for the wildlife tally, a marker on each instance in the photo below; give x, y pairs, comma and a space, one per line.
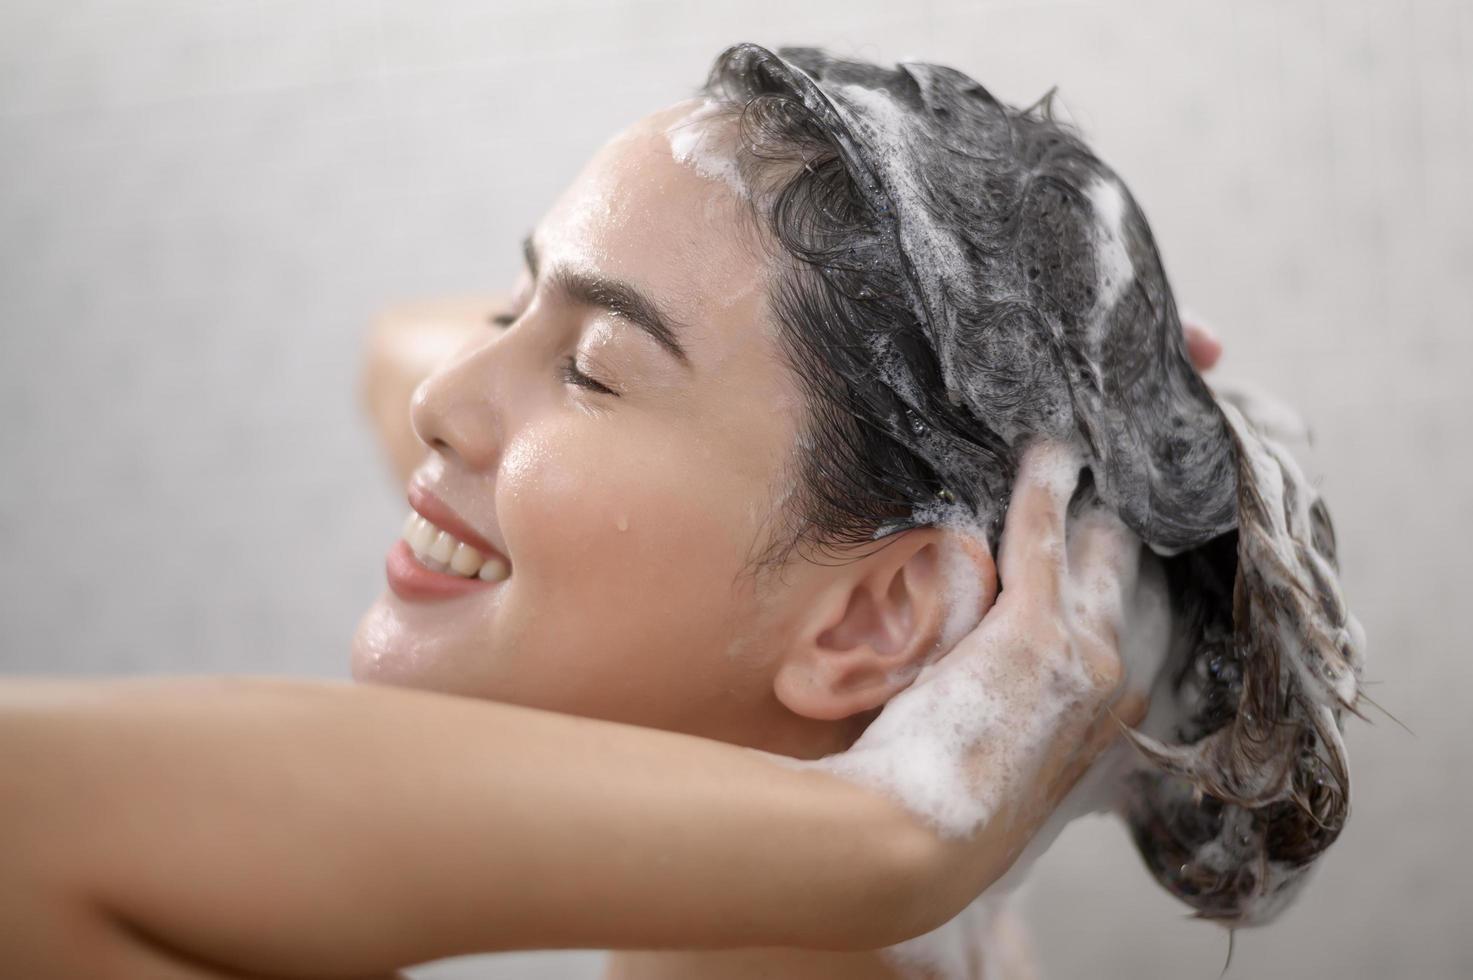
438, 513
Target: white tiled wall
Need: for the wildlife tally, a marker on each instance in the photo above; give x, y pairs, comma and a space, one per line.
202, 202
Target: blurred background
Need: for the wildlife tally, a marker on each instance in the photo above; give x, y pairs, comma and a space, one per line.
203, 203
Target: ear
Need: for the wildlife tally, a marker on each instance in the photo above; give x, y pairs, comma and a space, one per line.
881, 619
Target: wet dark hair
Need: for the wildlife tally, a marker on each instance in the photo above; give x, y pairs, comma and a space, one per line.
960, 276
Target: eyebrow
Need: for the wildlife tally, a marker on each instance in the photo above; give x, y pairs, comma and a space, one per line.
623, 299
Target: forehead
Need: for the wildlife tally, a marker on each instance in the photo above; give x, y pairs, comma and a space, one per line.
644, 209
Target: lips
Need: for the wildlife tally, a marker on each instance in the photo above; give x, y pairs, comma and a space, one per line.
434, 510
439, 556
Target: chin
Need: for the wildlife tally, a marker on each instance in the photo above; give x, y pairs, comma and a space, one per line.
379, 654
389, 649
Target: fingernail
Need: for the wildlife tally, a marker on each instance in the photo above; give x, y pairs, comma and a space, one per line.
1191, 321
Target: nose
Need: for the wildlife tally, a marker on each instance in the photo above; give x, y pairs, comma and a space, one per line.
459, 410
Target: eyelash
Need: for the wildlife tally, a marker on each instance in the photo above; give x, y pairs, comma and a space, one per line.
569, 367
573, 376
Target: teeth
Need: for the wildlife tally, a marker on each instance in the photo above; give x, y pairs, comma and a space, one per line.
466, 560
441, 551
421, 536
443, 546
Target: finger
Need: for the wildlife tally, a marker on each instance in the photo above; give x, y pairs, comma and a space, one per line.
1104, 564
1110, 724
1203, 347
1092, 743
1031, 556
1102, 552
1130, 710
973, 559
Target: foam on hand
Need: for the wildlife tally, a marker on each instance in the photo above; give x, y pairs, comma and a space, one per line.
973, 729
961, 947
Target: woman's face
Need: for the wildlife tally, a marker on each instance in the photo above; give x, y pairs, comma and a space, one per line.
627, 517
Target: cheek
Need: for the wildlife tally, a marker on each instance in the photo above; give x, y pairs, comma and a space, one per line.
625, 556
619, 513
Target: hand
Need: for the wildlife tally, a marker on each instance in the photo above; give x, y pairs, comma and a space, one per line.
989, 738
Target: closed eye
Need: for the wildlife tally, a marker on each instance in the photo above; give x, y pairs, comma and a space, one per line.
569, 367
573, 376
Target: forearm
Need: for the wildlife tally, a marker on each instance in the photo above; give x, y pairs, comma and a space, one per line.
302, 829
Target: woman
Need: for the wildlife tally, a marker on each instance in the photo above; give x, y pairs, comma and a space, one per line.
657, 505
942, 277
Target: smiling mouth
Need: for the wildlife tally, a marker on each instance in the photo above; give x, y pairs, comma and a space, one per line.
440, 551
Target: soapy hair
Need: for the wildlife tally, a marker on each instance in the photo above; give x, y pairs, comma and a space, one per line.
960, 276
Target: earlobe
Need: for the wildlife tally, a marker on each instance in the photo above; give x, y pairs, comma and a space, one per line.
879, 621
